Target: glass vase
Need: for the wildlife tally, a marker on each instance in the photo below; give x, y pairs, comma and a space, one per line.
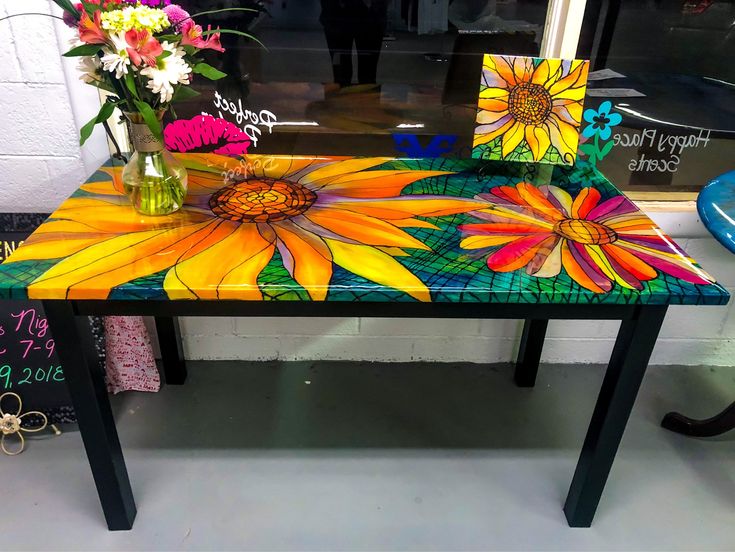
153, 179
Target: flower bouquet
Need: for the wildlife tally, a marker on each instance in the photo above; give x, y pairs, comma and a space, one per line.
144, 53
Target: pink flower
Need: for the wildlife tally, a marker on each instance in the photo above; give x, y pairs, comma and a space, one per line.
205, 133
192, 36
176, 15
90, 31
142, 47
213, 43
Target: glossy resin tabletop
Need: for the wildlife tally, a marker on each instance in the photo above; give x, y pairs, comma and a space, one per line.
360, 229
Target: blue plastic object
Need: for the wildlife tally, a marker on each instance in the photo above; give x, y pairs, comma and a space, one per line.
716, 206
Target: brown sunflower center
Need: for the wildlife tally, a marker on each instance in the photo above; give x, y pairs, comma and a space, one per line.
585, 231
261, 200
529, 103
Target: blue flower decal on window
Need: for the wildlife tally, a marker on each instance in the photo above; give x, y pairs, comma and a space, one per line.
601, 121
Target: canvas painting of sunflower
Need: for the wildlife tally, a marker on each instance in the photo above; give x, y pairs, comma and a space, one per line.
530, 109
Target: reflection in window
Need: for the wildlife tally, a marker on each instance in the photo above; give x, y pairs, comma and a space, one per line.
360, 77
674, 88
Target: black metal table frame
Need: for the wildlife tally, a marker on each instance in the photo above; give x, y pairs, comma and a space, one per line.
68, 319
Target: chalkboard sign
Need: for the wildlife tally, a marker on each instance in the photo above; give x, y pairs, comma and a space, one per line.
29, 365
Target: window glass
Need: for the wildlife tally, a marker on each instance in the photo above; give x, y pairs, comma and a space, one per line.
359, 77
673, 85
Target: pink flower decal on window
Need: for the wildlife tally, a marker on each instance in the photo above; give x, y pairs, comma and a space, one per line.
206, 134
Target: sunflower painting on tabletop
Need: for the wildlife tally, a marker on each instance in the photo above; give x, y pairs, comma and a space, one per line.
309, 214
530, 109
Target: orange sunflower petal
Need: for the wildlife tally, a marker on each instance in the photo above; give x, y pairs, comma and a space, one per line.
400, 207
493, 105
493, 92
46, 249
362, 228
484, 138
586, 200
204, 183
630, 262
369, 184
541, 73
286, 167
538, 140
378, 267
568, 110
503, 228
347, 168
97, 216
116, 174
575, 80
564, 137
483, 241
522, 69
312, 259
576, 272
550, 264
517, 253
504, 214
512, 138
104, 187
489, 117
603, 263
95, 270
536, 200
502, 66
227, 269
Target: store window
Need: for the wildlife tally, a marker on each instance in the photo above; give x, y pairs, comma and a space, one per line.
665, 67
360, 77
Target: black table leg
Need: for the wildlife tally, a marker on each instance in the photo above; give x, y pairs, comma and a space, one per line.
633, 347
711, 427
86, 382
529, 354
172, 353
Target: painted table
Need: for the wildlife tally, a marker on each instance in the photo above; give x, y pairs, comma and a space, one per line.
321, 236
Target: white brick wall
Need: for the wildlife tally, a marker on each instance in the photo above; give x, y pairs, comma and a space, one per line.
43, 104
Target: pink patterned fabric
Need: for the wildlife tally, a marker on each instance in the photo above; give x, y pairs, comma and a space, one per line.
130, 363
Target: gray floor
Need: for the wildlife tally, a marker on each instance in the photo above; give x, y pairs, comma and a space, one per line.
332, 456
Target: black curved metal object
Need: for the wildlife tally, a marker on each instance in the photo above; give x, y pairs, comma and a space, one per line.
710, 427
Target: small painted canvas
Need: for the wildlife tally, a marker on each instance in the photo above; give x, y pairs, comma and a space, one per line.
530, 109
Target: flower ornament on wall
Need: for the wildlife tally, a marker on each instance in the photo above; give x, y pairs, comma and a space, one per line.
11, 425
597, 242
530, 109
601, 122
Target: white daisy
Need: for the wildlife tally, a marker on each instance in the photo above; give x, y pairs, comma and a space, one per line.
168, 72
89, 67
116, 57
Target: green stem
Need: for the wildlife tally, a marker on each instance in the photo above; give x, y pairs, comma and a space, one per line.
598, 152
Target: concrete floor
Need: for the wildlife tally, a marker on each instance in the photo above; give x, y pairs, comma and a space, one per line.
329, 456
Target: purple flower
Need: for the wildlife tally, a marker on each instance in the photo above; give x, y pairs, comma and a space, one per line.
176, 15
70, 20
